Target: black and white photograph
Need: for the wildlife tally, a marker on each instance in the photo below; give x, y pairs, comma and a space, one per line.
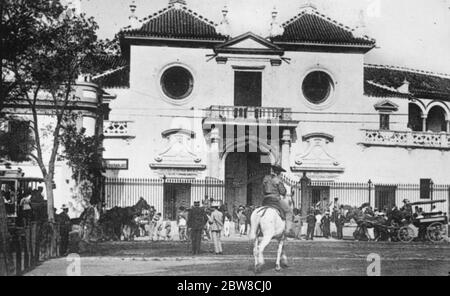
207, 139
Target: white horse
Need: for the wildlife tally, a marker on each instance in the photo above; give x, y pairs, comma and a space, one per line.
267, 223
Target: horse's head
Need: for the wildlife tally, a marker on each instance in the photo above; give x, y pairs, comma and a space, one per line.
353, 213
141, 205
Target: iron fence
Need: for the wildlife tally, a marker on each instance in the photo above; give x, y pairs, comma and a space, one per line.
126, 192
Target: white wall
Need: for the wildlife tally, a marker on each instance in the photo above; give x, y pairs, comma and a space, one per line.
145, 104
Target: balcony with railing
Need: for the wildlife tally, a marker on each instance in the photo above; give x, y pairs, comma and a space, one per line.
118, 129
248, 116
249, 112
407, 139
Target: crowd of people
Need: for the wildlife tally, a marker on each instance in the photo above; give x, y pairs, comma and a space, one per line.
27, 203
208, 221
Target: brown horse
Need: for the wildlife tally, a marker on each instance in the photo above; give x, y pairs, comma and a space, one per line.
121, 221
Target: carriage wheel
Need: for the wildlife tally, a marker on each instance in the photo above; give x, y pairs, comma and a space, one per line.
405, 234
436, 232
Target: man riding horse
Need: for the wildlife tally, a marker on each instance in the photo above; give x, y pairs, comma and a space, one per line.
271, 221
274, 190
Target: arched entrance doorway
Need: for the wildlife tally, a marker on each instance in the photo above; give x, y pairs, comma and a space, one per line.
436, 120
244, 173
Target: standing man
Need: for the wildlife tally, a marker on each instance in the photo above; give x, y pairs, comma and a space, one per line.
297, 224
340, 221
25, 204
65, 227
334, 205
274, 192
325, 222
196, 222
216, 222
311, 221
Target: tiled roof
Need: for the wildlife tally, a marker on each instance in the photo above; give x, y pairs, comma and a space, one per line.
310, 26
382, 81
176, 22
113, 72
108, 62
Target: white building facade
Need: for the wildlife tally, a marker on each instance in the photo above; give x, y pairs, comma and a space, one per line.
193, 103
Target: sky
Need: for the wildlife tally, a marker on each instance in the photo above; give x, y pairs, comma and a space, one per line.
409, 33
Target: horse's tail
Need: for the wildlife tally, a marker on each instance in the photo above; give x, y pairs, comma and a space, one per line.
254, 224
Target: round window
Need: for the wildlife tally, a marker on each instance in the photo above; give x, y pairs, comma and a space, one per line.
317, 87
177, 82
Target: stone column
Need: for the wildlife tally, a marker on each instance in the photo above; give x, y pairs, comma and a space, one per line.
448, 127
305, 201
286, 149
214, 157
424, 123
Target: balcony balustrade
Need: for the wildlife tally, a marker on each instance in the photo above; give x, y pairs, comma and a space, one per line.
407, 139
117, 129
249, 112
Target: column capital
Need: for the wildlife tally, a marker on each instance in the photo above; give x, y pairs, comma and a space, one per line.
214, 135
286, 137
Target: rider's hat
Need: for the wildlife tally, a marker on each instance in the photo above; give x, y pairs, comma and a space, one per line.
276, 167
406, 200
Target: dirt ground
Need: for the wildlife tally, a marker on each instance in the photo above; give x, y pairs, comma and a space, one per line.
320, 257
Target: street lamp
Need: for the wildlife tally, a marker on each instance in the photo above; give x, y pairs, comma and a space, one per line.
369, 183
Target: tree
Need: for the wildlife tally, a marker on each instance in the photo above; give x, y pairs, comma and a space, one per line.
42, 73
83, 155
20, 22
16, 142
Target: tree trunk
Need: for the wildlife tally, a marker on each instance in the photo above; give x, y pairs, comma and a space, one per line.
3, 239
50, 200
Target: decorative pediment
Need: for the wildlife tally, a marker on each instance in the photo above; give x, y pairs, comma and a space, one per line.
316, 158
249, 43
386, 106
178, 153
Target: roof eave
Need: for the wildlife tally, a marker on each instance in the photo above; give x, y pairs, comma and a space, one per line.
132, 39
289, 45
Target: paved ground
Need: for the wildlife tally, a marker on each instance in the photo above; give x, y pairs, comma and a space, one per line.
320, 257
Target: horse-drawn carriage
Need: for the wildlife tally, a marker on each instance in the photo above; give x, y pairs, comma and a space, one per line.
13, 185
431, 226
400, 226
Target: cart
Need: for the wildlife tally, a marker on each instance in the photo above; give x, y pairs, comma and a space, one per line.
431, 226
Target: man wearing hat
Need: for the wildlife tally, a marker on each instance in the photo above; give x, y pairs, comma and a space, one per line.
64, 228
311, 221
325, 223
274, 190
406, 209
196, 222
216, 223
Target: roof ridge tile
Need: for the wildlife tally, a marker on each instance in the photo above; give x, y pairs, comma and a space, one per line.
406, 69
